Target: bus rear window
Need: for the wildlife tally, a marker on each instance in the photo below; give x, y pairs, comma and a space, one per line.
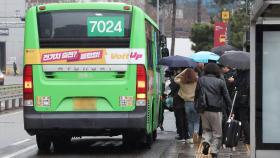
84, 24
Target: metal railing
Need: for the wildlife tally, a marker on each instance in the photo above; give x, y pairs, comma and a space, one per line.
10, 97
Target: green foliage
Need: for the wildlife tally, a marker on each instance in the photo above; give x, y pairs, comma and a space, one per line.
203, 37
221, 3
239, 24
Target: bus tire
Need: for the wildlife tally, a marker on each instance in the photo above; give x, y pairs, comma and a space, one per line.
149, 140
131, 139
61, 143
43, 142
154, 135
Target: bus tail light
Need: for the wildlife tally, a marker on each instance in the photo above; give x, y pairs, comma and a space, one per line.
28, 86
141, 86
126, 8
42, 7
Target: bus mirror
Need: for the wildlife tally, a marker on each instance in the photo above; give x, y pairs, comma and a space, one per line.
164, 52
162, 41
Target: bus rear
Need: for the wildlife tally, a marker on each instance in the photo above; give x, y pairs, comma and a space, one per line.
85, 72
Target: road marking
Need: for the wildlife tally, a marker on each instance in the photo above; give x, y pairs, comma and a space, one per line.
5, 115
20, 151
22, 141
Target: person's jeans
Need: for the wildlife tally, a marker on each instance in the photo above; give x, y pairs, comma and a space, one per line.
192, 117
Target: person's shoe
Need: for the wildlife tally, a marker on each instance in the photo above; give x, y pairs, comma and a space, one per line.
180, 139
206, 147
214, 155
161, 128
177, 137
190, 141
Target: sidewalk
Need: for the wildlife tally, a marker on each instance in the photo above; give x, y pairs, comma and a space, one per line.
184, 150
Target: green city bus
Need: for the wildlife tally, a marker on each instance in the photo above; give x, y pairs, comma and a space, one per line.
90, 69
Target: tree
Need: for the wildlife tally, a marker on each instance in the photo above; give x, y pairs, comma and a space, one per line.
221, 3
203, 37
239, 24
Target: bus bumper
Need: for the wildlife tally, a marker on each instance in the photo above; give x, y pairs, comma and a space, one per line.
84, 123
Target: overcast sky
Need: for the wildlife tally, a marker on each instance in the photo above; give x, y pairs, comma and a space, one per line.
182, 46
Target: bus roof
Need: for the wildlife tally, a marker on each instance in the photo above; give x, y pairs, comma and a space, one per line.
89, 5
93, 5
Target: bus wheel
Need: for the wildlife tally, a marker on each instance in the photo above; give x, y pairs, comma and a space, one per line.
149, 140
43, 142
129, 139
154, 135
61, 143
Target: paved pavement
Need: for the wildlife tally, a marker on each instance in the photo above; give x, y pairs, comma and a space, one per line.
15, 142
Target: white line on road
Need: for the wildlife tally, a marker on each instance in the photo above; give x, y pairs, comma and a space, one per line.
10, 114
20, 151
22, 141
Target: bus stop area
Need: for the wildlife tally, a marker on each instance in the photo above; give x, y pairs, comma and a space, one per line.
186, 150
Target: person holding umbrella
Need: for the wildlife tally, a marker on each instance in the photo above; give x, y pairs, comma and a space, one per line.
177, 62
241, 61
242, 108
187, 80
178, 107
215, 91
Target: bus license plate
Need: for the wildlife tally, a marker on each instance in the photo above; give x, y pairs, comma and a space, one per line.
84, 103
126, 101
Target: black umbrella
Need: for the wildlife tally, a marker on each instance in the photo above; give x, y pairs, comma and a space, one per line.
177, 61
236, 59
220, 50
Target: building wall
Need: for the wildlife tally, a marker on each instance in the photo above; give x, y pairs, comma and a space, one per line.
10, 11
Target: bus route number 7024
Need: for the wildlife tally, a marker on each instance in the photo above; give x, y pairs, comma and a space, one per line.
105, 26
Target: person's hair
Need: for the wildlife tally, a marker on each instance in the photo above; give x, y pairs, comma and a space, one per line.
213, 69
189, 76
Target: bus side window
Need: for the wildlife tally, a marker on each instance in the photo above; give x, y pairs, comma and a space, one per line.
149, 45
157, 42
149, 48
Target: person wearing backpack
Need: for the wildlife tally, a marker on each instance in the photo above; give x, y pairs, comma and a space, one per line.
211, 95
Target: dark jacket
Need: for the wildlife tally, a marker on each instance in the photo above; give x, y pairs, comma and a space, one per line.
174, 87
217, 96
242, 84
230, 85
178, 102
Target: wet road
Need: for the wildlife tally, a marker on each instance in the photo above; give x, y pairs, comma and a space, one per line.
16, 143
